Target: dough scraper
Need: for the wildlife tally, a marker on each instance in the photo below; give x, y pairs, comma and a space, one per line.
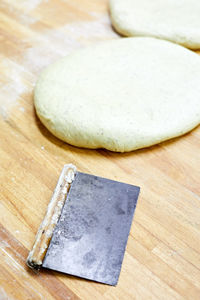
86, 227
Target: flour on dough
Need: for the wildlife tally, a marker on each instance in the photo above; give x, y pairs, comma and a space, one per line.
174, 20
121, 95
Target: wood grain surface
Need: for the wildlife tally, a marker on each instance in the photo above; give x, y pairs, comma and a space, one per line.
162, 259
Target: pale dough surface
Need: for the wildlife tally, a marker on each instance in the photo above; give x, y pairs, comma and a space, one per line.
174, 20
121, 95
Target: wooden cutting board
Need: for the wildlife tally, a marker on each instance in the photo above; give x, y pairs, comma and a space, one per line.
162, 259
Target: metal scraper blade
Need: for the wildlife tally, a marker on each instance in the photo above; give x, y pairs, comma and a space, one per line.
90, 238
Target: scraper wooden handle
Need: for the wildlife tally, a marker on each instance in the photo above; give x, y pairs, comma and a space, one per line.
43, 237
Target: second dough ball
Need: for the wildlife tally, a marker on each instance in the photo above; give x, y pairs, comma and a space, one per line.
175, 20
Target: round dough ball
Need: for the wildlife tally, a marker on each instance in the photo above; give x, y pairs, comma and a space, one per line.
174, 20
121, 95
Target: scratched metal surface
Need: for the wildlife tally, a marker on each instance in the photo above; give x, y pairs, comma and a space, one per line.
90, 238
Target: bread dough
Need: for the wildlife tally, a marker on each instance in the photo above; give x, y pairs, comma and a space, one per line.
174, 20
121, 95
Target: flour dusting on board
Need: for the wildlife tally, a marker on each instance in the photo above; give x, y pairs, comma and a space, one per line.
27, 5
4, 295
30, 5
23, 17
21, 9
56, 43
12, 87
45, 47
99, 28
